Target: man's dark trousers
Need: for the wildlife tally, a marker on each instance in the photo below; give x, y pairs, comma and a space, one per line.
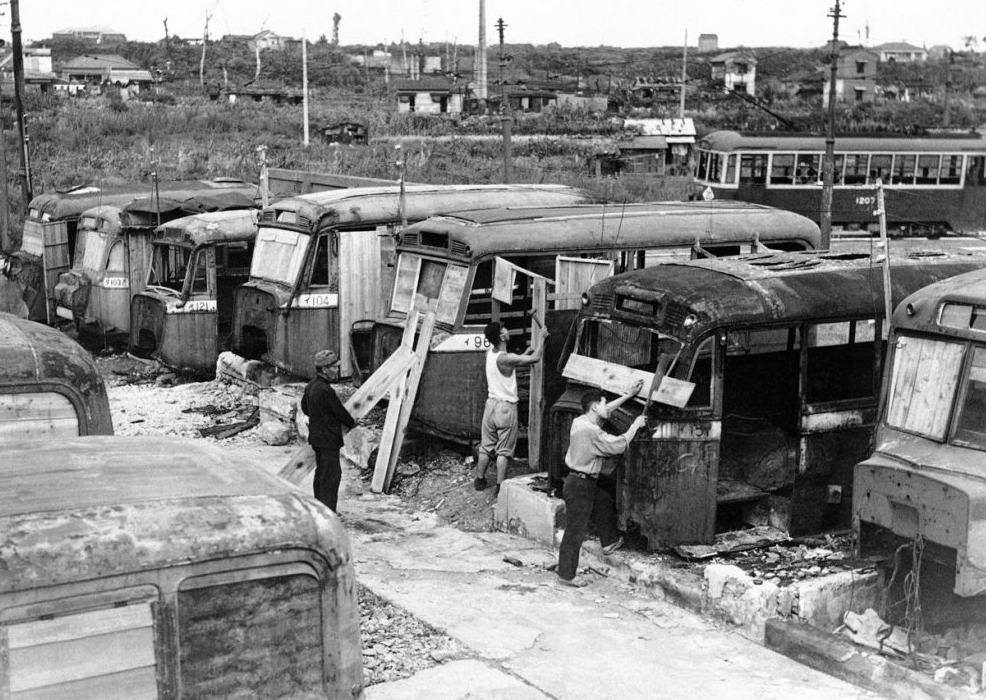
584, 500
328, 475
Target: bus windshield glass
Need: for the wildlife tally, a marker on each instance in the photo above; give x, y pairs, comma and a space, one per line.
279, 255
923, 383
421, 281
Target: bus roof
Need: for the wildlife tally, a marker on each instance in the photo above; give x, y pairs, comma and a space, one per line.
210, 228
767, 288
729, 141
70, 204
589, 227
920, 310
102, 506
377, 205
35, 352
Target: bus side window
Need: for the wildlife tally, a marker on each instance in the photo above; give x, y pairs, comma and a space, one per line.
841, 361
753, 168
321, 265
479, 310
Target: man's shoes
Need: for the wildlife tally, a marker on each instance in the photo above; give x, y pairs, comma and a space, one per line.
479, 483
573, 582
610, 548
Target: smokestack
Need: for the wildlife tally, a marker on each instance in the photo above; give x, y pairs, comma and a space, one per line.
480, 70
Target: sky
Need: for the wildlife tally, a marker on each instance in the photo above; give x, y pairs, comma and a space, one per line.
626, 23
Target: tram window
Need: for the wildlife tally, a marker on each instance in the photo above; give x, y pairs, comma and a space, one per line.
731, 169
753, 168
927, 173
880, 168
703, 165
841, 361
838, 166
715, 167
857, 167
970, 428
951, 170
808, 168
782, 169
903, 170
977, 171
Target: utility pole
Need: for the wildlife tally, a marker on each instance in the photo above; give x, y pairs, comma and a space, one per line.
205, 41
684, 77
828, 164
264, 176
5, 242
304, 84
881, 212
948, 86
504, 106
18, 55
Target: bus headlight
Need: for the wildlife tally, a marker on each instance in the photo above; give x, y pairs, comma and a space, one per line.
585, 299
690, 320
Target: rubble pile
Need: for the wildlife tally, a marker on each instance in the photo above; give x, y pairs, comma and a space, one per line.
396, 644
795, 560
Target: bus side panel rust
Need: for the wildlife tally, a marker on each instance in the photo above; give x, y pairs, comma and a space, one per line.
452, 395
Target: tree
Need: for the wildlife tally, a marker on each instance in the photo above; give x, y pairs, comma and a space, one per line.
336, 18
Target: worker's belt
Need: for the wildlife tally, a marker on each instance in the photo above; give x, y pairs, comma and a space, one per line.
583, 475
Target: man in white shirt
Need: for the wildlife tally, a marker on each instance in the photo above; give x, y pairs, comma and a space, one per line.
499, 428
588, 446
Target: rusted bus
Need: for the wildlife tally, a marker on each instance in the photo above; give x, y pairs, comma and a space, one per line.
49, 386
51, 240
114, 262
325, 260
184, 313
926, 478
770, 391
164, 569
450, 260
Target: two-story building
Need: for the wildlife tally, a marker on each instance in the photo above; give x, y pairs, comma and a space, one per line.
101, 36
855, 77
37, 69
736, 71
901, 51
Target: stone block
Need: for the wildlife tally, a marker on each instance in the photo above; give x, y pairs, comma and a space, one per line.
250, 374
824, 601
527, 512
280, 402
734, 597
274, 432
358, 444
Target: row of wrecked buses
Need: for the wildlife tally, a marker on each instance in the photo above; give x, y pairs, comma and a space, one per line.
154, 567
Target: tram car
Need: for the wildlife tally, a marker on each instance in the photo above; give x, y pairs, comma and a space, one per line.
934, 184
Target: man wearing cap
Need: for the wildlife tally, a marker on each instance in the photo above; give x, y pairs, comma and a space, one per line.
327, 418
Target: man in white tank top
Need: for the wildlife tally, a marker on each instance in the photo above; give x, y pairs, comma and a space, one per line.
499, 429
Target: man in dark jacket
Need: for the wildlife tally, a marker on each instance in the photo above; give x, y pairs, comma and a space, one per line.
327, 418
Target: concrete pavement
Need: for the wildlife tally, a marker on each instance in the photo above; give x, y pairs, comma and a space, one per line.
533, 638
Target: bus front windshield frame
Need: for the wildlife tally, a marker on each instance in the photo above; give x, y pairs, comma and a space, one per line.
420, 281
94, 250
173, 265
278, 255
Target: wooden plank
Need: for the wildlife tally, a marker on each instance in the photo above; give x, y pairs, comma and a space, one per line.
390, 424
359, 283
575, 275
50, 664
536, 400
87, 624
410, 393
134, 684
376, 386
606, 375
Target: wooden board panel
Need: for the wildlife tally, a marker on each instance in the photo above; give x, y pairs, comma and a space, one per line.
360, 289
37, 415
575, 275
535, 413
135, 684
606, 375
87, 624
924, 378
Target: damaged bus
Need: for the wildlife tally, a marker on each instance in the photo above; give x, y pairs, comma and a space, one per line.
450, 261
50, 386
51, 240
161, 568
925, 484
113, 260
764, 372
184, 314
324, 261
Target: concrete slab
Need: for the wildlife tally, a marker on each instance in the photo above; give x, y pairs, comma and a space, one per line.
528, 512
457, 680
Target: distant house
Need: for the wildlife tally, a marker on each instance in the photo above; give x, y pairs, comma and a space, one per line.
654, 147
106, 69
267, 40
528, 98
855, 77
901, 52
37, 69
430, 96
939, 51
102, 36
378, 59
589, 103
707, 43
736, 70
